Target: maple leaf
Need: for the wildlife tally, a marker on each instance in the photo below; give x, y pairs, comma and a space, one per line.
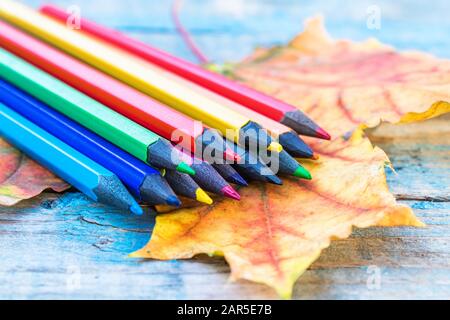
22, 178
343, 84
274, 233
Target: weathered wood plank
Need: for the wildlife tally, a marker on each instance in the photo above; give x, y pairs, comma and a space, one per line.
421, 158
73, 251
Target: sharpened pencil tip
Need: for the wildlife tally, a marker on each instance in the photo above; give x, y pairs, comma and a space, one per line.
301, 172
303, 125
274, 179
111, 191
229, 192
173, 201
237, 179
275, 147
202, 196
322, 134
295, 145
185, 168
230, 155
136, 209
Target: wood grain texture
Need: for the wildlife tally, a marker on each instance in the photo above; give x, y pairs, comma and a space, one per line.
64, 246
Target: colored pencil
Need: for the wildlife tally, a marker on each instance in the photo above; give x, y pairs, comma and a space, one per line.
122, 98
208, 178
185, 186
254, 168
92, 179
124, 133
287, 137
144, 182
259, 102
230, 174
286, 163
138, 73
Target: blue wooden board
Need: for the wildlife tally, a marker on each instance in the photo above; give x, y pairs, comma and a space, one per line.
64, 246
236, 27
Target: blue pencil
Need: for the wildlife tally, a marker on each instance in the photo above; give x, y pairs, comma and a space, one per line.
93, 180
144, 182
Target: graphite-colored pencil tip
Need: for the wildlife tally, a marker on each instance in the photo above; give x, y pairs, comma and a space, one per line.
173, 201
274, 179
136, 209
237, 179
229, 192
202, 196
322, 134
111, 191
185, 168
301, 172
295, 146
303, 125
230, 155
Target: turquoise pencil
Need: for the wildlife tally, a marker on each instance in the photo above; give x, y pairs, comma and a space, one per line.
93, 180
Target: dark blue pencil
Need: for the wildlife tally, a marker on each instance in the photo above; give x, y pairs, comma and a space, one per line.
144, 182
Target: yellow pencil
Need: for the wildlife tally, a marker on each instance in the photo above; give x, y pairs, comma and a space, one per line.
136, 72
145, 77
287, 137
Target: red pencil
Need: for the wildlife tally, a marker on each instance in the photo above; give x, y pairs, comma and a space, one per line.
257, 101
129, 102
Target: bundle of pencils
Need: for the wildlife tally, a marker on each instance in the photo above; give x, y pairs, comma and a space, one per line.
124, 122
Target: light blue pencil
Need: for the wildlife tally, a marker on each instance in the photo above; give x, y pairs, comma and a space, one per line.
93, 180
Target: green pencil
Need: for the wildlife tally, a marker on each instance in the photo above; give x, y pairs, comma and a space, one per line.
119, 130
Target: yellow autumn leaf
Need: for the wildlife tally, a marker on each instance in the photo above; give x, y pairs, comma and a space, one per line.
274, 233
